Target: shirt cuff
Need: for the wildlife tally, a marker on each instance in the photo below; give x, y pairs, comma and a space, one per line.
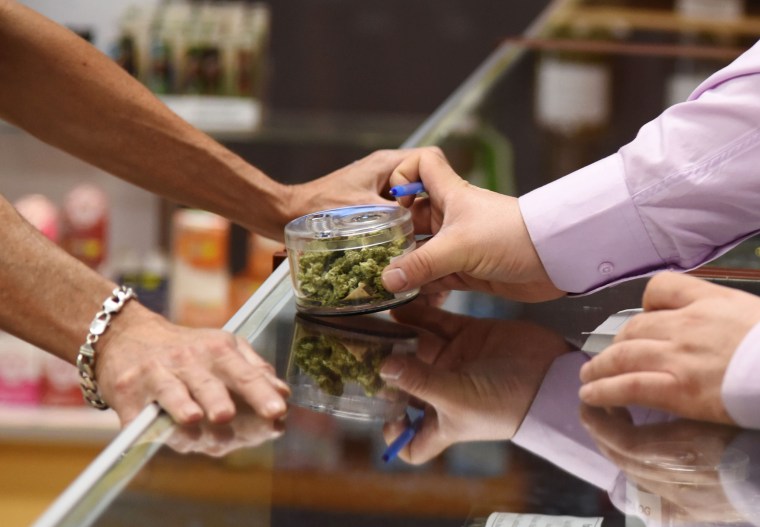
589, 219
741, 389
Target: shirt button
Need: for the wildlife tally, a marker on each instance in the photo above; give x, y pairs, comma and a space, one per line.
606, 268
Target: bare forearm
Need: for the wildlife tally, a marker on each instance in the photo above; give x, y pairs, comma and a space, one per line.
68, 94
46, 296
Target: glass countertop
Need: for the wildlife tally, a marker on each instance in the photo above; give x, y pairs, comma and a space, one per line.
503, 430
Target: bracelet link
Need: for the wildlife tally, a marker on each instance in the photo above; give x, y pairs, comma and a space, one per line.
86, 357
100, 323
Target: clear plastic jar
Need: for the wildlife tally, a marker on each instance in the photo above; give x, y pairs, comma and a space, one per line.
337, 257
334, 366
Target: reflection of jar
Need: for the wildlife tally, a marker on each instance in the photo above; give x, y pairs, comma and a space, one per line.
334, 366
337, 257
695, 461
687, 475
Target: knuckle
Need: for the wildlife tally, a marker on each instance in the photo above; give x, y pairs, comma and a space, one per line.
129, 380
178, 354
421, 264
165, 391
415, 382
630, 329
617, 359
380, 155
207, 384
437, 152
251, 375
635, 388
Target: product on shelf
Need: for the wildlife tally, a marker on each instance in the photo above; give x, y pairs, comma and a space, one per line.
711, 9
60, 383
259, 261
690, 72
20, 371
154, 282
573, 101
41, 213
199, 283
189, 48
147, 275
85, 218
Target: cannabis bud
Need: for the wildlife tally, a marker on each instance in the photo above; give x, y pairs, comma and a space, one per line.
337, 258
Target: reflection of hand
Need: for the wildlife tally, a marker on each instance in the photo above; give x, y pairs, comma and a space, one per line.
476, 377
677, 461
144, 358
480, 241
247, 430
675, 354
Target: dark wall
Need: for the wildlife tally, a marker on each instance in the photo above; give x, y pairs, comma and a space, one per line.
397, 56
371, 57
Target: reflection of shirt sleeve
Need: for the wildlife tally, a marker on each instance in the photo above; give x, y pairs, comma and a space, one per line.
741, 388
552, 430
683, 192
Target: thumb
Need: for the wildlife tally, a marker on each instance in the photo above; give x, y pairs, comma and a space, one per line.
433, 260
418, 379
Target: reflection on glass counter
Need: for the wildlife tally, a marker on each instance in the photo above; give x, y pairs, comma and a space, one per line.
334, 366
503, 431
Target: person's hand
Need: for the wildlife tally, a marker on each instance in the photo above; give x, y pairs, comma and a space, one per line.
480, 241
190, 372
362, 182
679, 461
475, 378
675, 354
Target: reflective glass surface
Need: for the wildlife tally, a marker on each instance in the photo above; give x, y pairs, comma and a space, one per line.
480, 362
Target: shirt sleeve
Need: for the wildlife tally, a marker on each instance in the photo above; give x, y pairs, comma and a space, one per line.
741, 390
683, 192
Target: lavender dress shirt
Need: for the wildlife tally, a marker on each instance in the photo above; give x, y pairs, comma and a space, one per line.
683, 192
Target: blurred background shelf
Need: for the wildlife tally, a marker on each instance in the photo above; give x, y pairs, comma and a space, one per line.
57, 425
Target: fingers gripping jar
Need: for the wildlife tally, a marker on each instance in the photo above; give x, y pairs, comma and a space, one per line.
337, 257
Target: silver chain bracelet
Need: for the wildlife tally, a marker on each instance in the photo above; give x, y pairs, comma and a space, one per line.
86, 358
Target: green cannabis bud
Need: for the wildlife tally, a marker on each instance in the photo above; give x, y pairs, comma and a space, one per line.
331, 364
337, 278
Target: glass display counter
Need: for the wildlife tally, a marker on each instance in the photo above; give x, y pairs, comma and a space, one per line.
503, 429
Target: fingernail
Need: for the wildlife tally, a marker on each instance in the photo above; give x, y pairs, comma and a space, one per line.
395, 280
392, 369
222, 415
585, 392
275, 407
191, 413
278, 384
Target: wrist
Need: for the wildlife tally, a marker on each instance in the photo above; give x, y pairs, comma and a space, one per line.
267, 208
133, 315
87, 357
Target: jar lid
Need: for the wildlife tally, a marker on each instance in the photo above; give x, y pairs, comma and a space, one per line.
346, 222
